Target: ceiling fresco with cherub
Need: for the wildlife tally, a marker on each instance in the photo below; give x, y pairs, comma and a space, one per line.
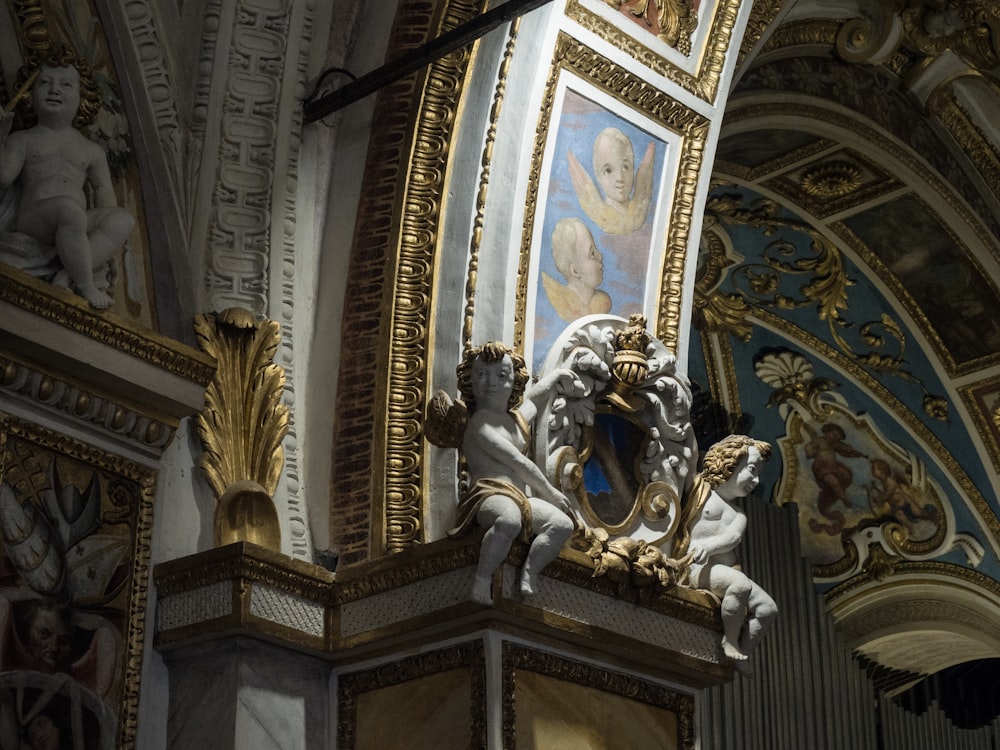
846, 283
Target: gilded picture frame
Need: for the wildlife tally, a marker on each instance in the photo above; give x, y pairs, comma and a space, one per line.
588, 96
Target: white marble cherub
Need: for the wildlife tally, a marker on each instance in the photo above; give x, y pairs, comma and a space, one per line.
712, 527
508, 493
621, 210
53, 166
580, 262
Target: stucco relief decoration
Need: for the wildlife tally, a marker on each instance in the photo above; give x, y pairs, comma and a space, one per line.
69, 211
671, 21
865, 502
599, 452
970, 29
798, 268
75, 531
243, 425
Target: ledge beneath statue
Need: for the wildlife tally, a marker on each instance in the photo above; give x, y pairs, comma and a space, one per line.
107, 376
422, 595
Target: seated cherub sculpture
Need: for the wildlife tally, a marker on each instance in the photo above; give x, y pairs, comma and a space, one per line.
712, 527
507, 493
52, 232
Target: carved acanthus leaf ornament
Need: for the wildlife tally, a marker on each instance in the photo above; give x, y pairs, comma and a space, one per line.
243, 424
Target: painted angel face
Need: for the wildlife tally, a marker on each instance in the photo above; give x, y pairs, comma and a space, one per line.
614, 165
57, 92
589, 262
493, 383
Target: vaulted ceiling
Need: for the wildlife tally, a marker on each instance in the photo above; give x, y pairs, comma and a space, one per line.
850, 276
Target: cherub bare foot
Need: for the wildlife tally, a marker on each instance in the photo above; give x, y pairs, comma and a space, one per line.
482, 591
529, 583
96, 298
732, 651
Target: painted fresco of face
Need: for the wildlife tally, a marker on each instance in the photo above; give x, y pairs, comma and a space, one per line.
43, 734
49, 638
614, 166
588, 262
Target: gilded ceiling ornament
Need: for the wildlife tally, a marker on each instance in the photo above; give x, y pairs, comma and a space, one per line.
243, 424
825, 287
832, 179
859, 494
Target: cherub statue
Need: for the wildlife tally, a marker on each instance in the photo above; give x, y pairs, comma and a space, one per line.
712, 527
508, 493
621, 210
50, 165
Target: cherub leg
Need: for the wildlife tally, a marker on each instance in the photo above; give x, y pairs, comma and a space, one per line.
502, 518
552, 528
108, 228
73, 247
762, 612
734, 589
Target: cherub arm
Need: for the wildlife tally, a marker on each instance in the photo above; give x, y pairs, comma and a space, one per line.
705, 548
12, 151
563, 380
491, 441
99, 175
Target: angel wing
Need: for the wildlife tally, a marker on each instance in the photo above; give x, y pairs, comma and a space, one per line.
642, 194
446, 421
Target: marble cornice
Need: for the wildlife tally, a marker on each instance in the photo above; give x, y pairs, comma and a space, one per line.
113, 379
244, 589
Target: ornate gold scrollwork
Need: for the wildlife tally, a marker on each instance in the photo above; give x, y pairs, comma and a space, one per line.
825, 288
242, 425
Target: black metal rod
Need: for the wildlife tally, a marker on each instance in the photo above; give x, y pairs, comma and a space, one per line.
415, 59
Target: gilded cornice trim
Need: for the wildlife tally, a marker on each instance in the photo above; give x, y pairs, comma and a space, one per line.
74, 313
814, 32
385, 317
982, 153
806, 340
243, 561
918, 571
988, 432
704, 82
575, 57
83, 403
762, 15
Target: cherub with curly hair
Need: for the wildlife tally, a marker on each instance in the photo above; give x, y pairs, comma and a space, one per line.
712, 527
508, 493
51, 163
